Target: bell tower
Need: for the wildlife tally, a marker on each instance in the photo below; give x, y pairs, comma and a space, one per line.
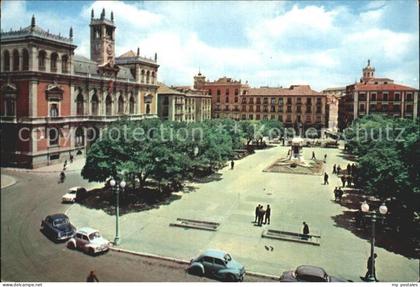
368, 72
102, 39
199, 81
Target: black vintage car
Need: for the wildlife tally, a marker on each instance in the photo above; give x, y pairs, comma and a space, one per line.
307, 273
57, 227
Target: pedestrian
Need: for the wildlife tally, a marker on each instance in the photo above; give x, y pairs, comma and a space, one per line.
353, 169
92, 277
359, 218
326, 178
348, 169
313, 156
335, 193
267, 214
334, 169
71, 158
343, 180
305, 231
261, 215
371, 268
340, 193
325, 158
62, 176
232, 164
338, 169
257, 211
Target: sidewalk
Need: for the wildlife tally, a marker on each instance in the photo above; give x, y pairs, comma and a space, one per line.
6, 181
76, 165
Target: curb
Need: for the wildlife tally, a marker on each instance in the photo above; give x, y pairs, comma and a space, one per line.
37, 171
13, 182
185, 262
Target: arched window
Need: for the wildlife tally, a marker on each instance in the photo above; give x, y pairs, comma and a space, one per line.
120, 105
25, 60
79, 104
131, 105
6, 60
64, 63
9, 106
80, 137
53, 66
147, 77
94, 104
54, 136
41, 60
108, 105
15, 60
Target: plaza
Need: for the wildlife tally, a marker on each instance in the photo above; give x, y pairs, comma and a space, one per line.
231, 201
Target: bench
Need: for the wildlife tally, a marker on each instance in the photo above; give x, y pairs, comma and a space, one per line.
312, 239
196, 224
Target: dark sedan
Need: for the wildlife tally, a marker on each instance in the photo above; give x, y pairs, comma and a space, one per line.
307, 273
58, 227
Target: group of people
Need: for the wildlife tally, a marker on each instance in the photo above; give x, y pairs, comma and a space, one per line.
314, 157
62, 173
262, 216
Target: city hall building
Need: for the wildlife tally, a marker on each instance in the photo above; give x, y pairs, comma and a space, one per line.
55, 103
377, 95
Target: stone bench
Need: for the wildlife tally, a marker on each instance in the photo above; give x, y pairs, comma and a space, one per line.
312, 239
196, 224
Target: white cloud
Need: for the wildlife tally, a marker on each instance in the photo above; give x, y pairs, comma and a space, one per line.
266, 43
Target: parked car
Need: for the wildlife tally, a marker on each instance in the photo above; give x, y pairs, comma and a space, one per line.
74, 194
88, 240
218, 264
308, 273
57, 227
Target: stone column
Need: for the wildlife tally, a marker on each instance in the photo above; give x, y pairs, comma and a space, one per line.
33, 98
72, 101
355, 105
402, 108
415, 104
33, 59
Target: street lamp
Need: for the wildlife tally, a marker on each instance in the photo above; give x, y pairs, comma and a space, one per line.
374, 216
116, 188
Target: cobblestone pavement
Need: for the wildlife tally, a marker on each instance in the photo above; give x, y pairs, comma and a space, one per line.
231, 202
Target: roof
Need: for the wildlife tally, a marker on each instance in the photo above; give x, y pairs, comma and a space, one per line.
311, 271
214, 253
334, 89
128, 54
57, 215
379, 87
86, 230
164, 89
83, 65
293, 90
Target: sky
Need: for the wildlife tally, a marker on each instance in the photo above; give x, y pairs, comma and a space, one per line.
267, 43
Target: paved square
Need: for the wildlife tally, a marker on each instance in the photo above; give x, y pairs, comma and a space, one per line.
232, 201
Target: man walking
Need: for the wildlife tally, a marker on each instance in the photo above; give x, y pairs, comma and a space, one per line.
325, 158
267, 214
343, 180
326, 178
305, 231
261, 215
313, 156
334, 169
232, 164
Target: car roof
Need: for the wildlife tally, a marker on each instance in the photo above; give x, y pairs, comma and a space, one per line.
57, 216
311, 271
214, 253
86, 230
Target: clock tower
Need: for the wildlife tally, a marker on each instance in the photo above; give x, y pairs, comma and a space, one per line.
102, 39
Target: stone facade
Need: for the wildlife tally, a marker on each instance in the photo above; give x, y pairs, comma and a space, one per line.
377, 95
55, 103
333, 98
183, 104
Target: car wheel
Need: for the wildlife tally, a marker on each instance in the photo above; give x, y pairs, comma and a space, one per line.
195, 270
71, 245
230, 278
91, 252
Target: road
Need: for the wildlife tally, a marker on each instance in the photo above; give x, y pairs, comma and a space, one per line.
27, 255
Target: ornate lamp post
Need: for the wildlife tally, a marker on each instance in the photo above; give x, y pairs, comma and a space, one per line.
116, 188
373, 216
